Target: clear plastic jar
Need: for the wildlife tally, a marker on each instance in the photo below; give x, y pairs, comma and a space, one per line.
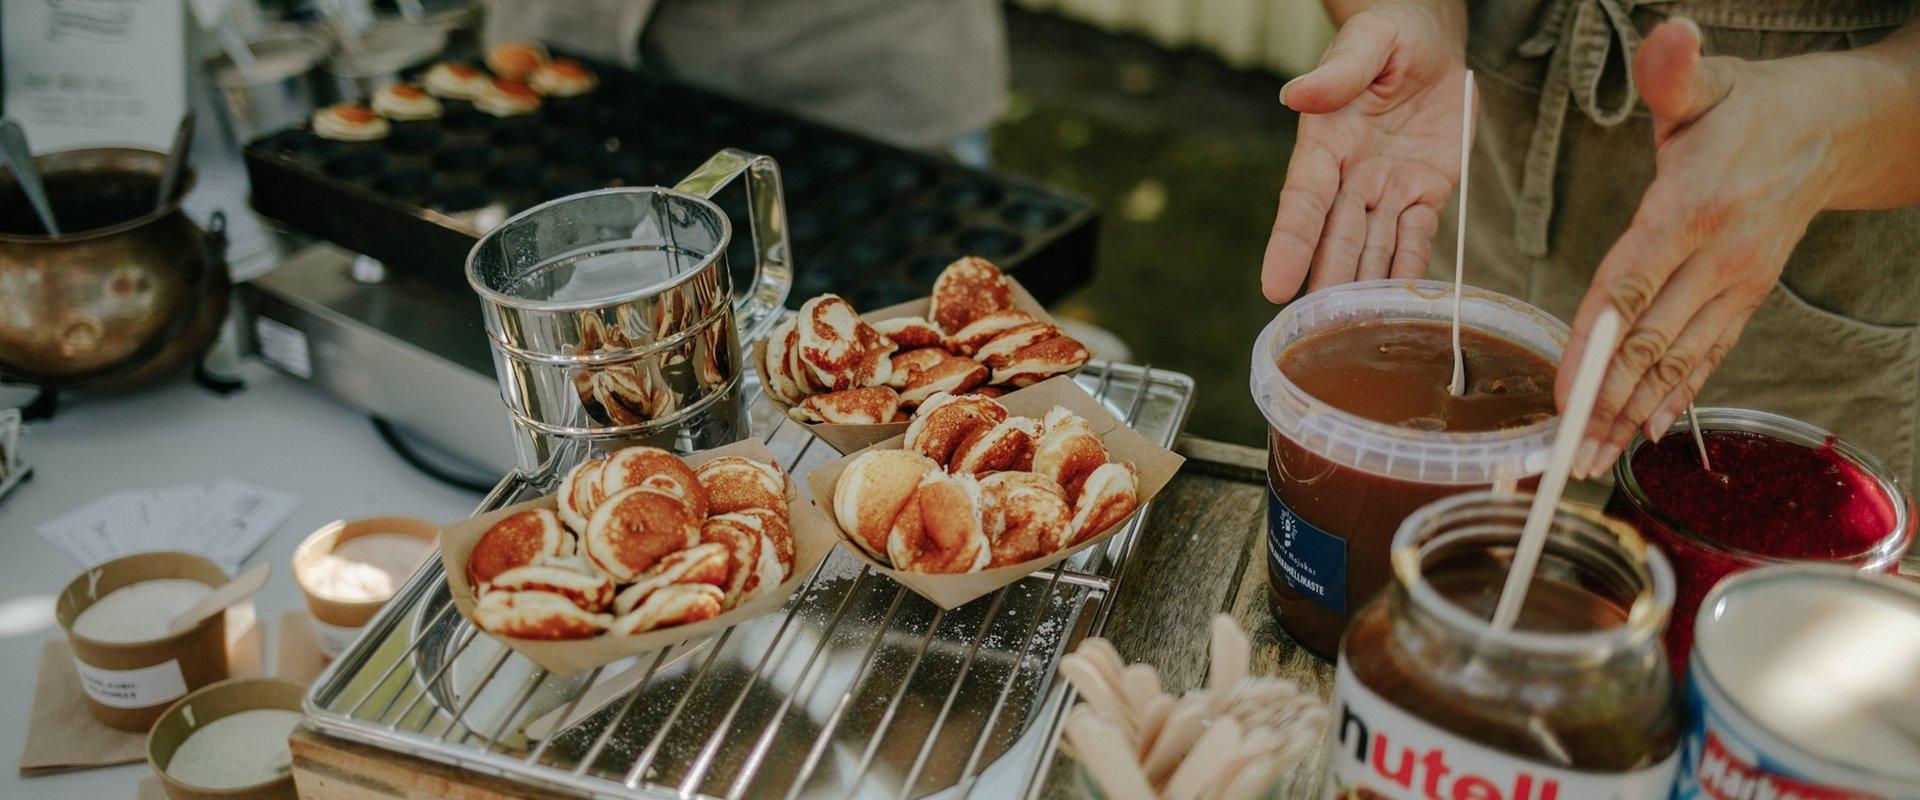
1574, 702
1700, 561
1340, 484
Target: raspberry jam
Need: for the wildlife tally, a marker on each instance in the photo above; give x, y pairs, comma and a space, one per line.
1780, 490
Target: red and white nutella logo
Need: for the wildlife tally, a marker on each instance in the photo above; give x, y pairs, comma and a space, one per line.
1429, 771
1725, 775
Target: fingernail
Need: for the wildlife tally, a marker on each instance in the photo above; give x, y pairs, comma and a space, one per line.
1283, 90
1658, 426
1583, 458
1698, 35
1608, 455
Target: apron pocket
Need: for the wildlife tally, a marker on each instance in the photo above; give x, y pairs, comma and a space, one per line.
1858, 379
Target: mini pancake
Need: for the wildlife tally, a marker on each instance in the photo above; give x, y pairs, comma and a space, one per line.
1025, 515
909, 365
838, 348
537, 615
944, 420
1067, 451
910, 333
516, 541
455, 81
1006, 446
778, 535
515, 61
580, 493
743, 543
507, 98
939, 529
978, 333
734, 483
871, 492
589, 592
405, 102
966, 290
652, 466
679, 604
708, 563
634, 529
954, 375
1110, 494
562, 77
869, 405
781, 380
349, 122
998, 350
1040, 361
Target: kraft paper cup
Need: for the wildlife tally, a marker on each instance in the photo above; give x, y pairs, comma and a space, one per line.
813, 540
336, 622
223, 699
1157, 466
128, 686
850, 438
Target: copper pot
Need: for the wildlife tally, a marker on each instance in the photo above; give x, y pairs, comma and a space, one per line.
128, 292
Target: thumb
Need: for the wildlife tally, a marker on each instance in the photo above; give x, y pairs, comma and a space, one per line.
1677, 82
1356, 57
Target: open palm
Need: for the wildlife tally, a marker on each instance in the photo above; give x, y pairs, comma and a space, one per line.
1377, 155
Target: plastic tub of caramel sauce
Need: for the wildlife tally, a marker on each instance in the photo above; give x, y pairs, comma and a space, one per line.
1340, 483
350, 568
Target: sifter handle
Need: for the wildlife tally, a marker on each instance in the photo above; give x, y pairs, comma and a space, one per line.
758, 307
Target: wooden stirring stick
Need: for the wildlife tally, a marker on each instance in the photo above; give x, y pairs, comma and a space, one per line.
1573, 422
234, 591
1699, 442
1458, 386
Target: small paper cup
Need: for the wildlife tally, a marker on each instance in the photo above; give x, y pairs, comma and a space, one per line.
1157, 466
220, 700
336, 621
129, 685
849, 438
813, 540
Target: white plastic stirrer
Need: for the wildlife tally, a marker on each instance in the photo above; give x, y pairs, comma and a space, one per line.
1459, 385
1573, 422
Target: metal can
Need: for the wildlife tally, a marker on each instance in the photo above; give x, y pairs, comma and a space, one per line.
1804, 683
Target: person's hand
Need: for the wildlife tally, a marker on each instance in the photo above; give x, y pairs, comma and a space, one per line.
1744, 158
1377, 154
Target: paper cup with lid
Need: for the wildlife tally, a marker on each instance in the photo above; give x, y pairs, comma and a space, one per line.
129, 667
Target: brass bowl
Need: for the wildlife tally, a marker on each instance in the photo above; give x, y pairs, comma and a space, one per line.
129, 285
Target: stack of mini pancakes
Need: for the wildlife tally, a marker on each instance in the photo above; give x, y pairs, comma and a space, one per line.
830, 366
522, 74
639, 541
976, 487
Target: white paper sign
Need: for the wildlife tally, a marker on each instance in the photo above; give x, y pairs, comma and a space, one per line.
95, 72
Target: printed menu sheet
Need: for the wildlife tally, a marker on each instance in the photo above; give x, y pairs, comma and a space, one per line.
224, 521
95, 72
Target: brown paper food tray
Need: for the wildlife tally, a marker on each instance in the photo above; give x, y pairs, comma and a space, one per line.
1157, 466
814, 537
849, 438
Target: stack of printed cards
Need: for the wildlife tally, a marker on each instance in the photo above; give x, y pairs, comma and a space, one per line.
224, 521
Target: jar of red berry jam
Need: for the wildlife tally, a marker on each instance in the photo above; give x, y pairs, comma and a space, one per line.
1575, 701
1780, 491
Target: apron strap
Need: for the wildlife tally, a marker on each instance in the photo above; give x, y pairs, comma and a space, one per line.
1580, 35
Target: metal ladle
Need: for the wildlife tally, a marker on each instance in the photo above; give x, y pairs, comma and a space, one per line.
176, 161
13, 144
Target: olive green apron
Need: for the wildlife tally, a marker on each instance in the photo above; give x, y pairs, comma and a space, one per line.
1565, 152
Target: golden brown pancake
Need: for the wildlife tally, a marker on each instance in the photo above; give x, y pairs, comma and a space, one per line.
517, 541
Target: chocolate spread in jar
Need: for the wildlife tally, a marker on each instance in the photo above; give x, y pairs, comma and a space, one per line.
1397, 373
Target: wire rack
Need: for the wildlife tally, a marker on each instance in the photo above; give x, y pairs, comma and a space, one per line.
856, 688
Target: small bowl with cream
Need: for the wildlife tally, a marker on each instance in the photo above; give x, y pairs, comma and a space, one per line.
228, 740
116, 616
350, 568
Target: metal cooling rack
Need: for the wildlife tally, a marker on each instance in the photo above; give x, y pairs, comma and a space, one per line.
856, 688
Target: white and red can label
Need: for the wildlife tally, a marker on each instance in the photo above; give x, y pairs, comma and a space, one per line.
1725, 756
1377, 751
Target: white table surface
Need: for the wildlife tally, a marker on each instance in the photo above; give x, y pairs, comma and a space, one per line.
279, 432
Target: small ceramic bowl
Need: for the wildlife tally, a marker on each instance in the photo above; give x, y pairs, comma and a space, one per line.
217, 701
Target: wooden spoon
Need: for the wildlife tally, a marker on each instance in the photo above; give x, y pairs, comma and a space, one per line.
235, 591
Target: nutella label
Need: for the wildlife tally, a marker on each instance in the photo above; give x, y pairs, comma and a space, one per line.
1379, 752
1718, 762
132, 688
1313, 561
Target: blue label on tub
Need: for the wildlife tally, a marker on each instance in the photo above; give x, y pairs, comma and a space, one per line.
1313, 561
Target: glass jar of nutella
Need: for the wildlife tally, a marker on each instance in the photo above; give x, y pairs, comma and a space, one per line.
1575, 701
